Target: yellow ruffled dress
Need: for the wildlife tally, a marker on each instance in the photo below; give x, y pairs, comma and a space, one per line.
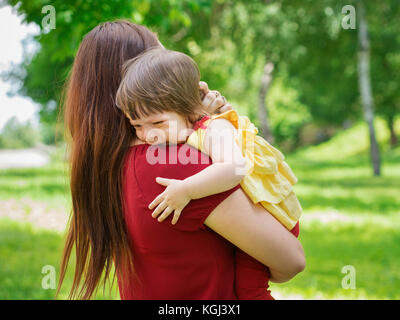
268, 179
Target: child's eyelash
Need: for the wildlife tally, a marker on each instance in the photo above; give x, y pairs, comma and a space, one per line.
158, 122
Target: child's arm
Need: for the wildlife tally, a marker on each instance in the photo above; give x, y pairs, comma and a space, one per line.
227, 170
228, 167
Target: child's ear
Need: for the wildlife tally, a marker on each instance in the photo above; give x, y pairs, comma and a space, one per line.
193, 118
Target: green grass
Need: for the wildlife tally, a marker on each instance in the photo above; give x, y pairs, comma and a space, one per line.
26, 248
24, 251
350, 218
49, 183
373, 249
364, 227
348, 185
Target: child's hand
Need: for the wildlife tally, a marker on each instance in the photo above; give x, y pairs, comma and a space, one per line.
213, 101
174, 198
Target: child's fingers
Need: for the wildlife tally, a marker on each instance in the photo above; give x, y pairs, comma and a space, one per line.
177, 214
217, 103
165, 214
203, 87
164, 181
160, 208
225, 107
156, 201
209, 99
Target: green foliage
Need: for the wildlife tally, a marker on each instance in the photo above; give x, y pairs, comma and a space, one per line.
385, 60
43, 75
350, 217
314, 57
353, 142
51, 133
287, 114
16, 135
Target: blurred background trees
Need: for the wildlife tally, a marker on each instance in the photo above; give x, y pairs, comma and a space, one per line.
18, 135
292, 67
288, 64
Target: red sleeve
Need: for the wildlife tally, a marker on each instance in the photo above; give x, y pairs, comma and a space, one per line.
175, 162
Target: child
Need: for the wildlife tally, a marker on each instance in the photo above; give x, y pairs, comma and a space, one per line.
159, 93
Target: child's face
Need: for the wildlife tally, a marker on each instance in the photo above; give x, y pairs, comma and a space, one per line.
162, 127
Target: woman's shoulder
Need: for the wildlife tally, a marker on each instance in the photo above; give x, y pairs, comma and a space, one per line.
182, 159
136, 142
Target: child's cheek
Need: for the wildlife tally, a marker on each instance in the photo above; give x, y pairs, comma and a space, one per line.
139, 134
170, 135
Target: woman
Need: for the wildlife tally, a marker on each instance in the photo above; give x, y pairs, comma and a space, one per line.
101, 155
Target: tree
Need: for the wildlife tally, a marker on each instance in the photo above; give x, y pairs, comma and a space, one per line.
233, 41
365, 84
43, 75
385, 60
263, 110
16, 135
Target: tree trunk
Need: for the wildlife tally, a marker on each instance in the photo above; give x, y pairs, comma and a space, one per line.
266, 80
364, 82
393, 136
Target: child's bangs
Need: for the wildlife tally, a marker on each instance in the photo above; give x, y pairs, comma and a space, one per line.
139, 109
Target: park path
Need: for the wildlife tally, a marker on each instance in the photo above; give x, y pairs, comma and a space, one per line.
24, 158
37, 213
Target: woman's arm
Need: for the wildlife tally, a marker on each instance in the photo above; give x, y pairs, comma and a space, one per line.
259, 234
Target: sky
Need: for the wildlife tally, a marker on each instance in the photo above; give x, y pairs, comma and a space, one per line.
12, 32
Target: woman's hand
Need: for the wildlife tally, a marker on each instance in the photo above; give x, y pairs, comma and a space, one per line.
174, 199
213, 101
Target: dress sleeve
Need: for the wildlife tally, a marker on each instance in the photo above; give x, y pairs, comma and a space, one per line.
176, 162
231, 115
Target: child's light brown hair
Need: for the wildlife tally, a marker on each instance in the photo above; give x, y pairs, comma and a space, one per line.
160, 80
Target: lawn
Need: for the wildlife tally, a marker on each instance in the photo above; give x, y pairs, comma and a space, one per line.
34, 206
350, 219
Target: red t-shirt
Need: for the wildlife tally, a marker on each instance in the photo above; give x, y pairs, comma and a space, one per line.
182, 261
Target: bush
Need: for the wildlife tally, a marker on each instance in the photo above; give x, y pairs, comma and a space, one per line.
16, 135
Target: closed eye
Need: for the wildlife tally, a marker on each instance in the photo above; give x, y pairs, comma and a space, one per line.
158, 122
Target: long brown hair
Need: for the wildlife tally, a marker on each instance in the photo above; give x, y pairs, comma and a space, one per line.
99, 135
160, 80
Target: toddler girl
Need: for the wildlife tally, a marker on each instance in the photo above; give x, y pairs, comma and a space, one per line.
159, 93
